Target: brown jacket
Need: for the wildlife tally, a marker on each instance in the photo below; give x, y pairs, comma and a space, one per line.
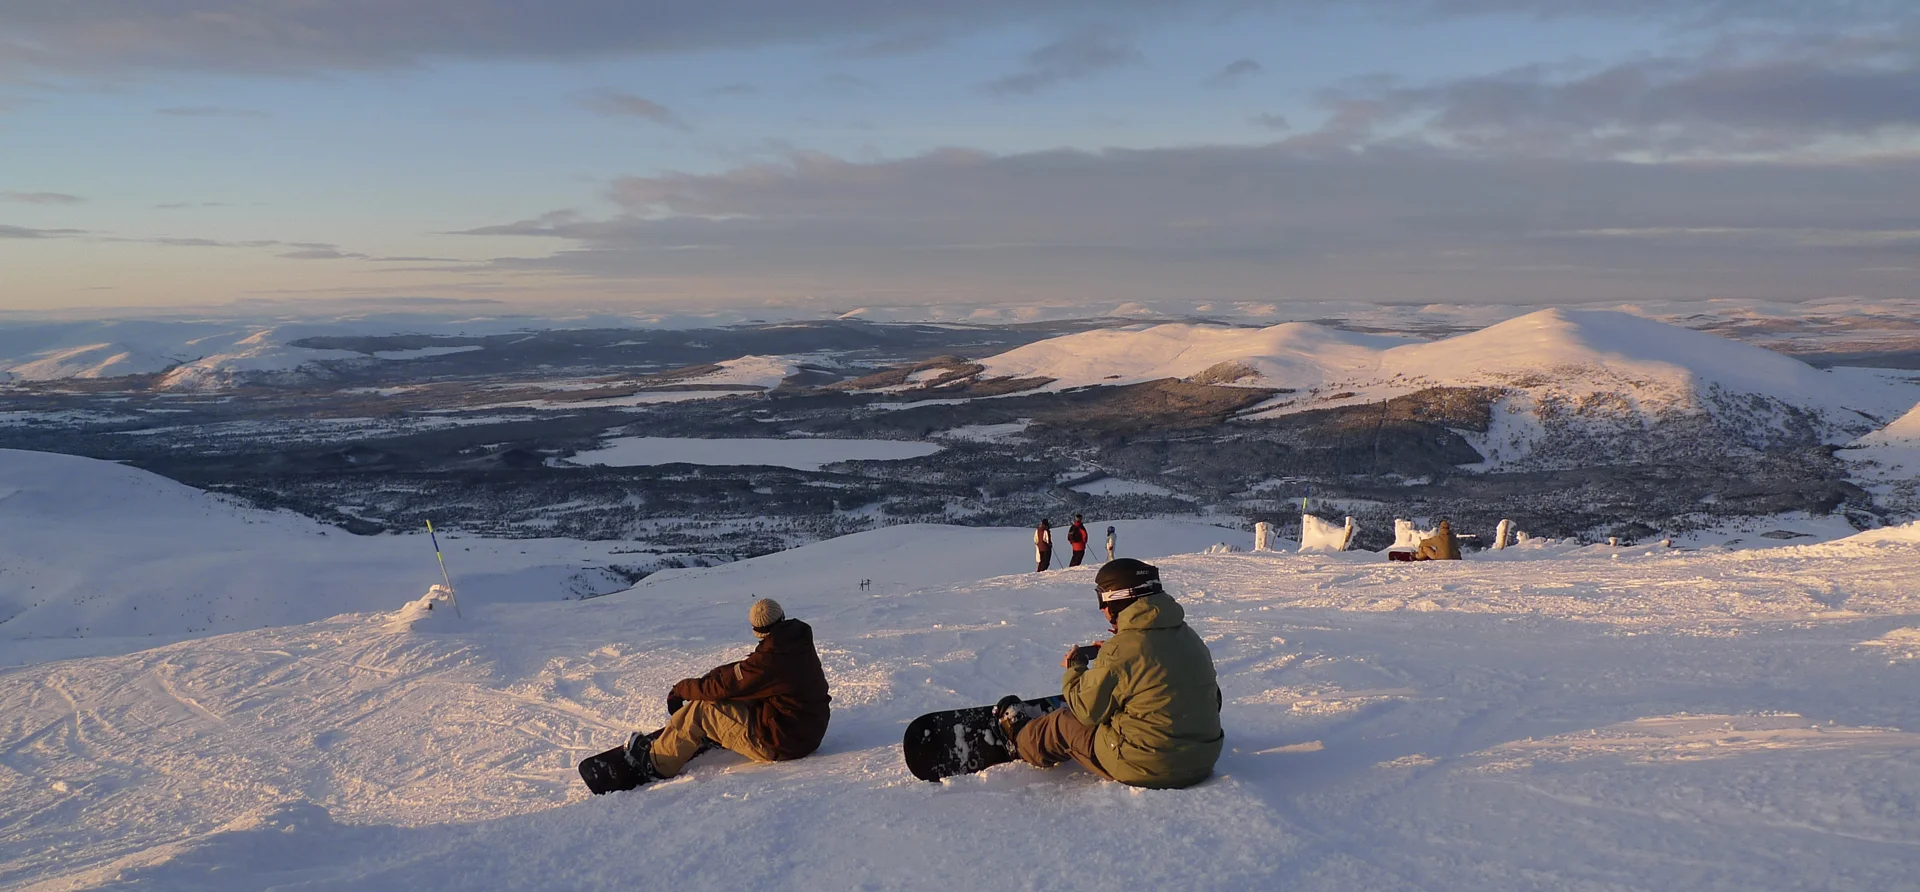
1441, 546
783, 681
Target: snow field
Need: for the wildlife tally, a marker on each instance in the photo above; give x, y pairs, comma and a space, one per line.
100, 558
1556, 718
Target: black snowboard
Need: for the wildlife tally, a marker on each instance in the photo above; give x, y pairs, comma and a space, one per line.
962, 741
610, 771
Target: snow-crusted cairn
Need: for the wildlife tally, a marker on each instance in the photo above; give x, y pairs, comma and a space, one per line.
1501, 533
1263, 536
1324, 535
431, 611
1406, 537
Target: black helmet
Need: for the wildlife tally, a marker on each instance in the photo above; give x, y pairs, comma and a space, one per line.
1122, 580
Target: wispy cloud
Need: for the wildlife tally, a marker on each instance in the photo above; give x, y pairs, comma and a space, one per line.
320, 35
1234, 72
1749, 95
1271, 222
1270, 121
628, 105
210, 111
1078, 56
23, 232
40, 198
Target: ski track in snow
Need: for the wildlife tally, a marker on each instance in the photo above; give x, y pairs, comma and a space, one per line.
1544, 718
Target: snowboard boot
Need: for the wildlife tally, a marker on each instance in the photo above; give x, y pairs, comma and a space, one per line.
1010, 716
640, 756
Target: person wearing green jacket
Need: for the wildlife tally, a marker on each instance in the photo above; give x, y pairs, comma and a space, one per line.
1143, 708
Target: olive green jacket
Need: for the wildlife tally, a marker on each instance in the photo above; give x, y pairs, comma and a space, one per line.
1151, 698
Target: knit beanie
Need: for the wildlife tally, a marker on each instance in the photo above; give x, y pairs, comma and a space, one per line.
764, 615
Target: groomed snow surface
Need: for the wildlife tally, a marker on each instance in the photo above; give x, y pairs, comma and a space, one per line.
1551, 717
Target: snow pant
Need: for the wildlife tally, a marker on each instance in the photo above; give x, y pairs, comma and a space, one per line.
1045, 556
1056, 737
1435, 550
725, 722
1109, 551
1079, 554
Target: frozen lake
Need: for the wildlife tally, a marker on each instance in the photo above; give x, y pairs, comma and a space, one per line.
803, 455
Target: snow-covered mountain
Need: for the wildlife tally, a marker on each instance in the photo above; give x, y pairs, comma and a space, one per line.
1548, 717
1554, 378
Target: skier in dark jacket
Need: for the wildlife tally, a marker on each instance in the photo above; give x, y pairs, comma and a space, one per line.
769, 707
1143, 708
1077, 540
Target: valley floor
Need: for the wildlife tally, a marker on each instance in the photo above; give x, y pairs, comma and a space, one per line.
1542, 718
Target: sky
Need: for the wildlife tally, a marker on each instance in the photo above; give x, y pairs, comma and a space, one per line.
847, 153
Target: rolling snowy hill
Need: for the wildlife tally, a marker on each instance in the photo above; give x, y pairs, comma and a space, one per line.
99, 558
1559, 386
1548, 717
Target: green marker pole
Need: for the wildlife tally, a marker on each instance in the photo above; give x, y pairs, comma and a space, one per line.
443, 570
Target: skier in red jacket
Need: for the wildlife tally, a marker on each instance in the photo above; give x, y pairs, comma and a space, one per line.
1077, 539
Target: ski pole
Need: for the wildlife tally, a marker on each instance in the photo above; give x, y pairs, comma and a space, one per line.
443, 571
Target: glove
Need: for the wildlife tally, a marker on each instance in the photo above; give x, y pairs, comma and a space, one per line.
674, 702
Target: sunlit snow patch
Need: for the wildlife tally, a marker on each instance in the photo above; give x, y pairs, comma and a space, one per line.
1685, 738
1901, 644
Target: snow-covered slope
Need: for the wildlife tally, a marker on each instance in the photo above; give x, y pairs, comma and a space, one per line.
1555, 718
98, 557
1567, 379
1297, 355
1887, 462
1576, 350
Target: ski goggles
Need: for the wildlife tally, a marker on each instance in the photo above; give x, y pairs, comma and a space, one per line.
1109, 596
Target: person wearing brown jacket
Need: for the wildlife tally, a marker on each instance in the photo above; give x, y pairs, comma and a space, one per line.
769, 707
1441, 546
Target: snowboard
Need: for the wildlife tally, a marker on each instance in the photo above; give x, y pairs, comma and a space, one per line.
962, 741
610, 771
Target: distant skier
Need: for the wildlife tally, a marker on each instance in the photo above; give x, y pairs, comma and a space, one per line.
769, 707
1109, 543
1143, 708
1077, 540
1441, 546
1043, 546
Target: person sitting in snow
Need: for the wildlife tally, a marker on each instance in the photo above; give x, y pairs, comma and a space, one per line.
1441, 546
1143, 708
769, 707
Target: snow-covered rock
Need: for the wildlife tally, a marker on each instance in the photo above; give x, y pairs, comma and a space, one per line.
1324, 535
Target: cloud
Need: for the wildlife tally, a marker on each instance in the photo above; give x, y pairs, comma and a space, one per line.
22, 232
302, 36
1751, 95
617, 103
1070, 58
1235, 72
40, 198
1256, 222
1270, 121
322, 252
210, 111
